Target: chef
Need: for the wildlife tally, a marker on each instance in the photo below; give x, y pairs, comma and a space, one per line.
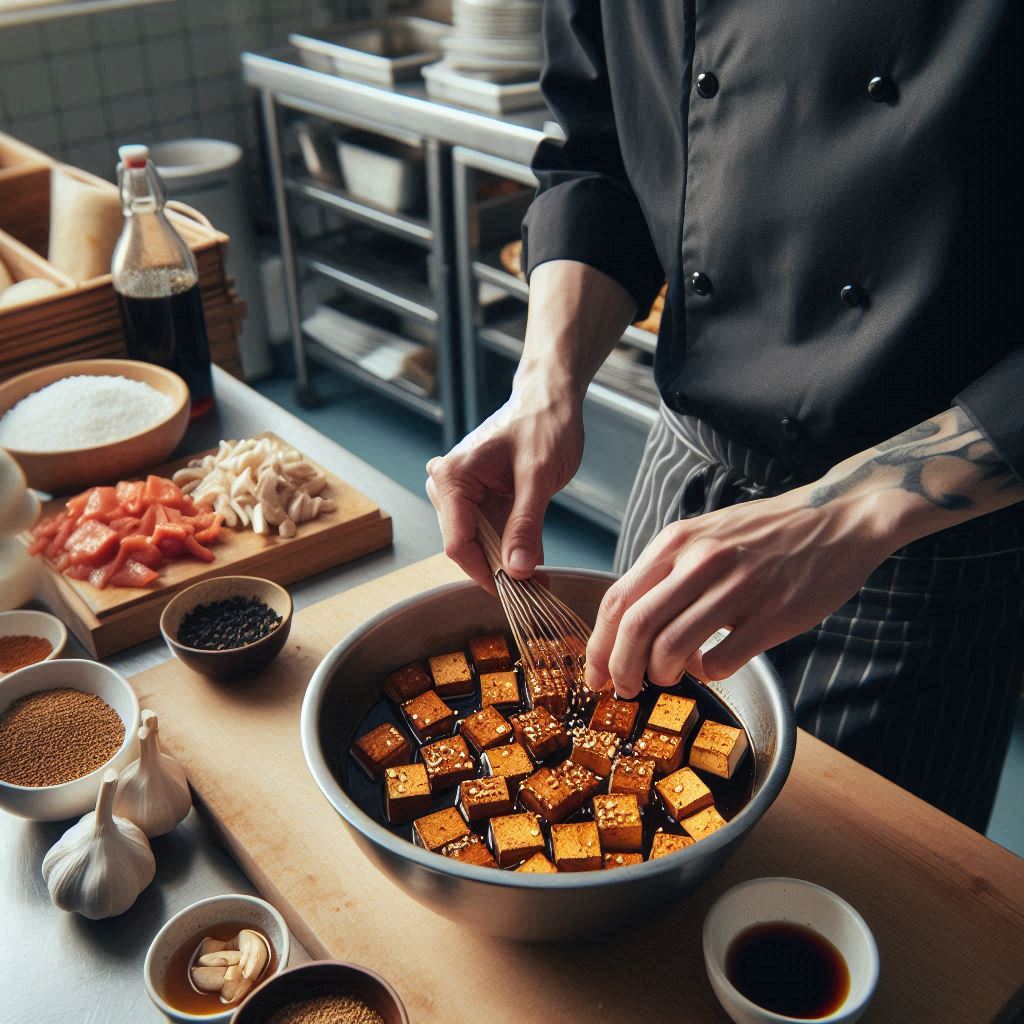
833, 193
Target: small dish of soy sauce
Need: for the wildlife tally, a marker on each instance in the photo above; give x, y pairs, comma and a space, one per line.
781, 950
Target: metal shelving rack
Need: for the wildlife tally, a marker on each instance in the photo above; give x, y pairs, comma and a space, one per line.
360, 271
616, 423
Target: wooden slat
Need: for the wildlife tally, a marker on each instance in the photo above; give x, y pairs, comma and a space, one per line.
946, 905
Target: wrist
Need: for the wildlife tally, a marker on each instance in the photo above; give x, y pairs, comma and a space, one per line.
548, 375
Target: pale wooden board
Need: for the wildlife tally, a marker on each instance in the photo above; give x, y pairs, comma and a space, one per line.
112, 619
946, 905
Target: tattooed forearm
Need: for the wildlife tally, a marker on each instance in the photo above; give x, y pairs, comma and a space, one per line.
903, 462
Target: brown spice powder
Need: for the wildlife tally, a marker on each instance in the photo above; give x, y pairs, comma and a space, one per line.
19, 650
327, 1009
54, 736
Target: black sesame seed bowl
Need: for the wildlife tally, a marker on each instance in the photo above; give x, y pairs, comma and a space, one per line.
227, 627
511, 904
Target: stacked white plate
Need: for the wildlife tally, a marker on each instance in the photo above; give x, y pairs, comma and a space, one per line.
495, 40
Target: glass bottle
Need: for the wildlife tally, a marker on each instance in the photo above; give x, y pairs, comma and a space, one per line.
157, 282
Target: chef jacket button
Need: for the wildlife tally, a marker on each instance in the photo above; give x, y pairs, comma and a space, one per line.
700, 283
851, 295
790, 429
881, 89
707, 85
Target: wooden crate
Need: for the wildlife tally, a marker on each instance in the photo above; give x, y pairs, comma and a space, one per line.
82, 320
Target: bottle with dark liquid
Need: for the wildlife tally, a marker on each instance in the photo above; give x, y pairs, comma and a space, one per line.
157, 282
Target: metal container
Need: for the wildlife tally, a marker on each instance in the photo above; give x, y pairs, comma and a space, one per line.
506, 903
385, 51
382, 172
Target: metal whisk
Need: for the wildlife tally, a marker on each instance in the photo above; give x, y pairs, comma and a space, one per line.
550, 636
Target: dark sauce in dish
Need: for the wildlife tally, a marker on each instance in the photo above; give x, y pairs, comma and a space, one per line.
788, 969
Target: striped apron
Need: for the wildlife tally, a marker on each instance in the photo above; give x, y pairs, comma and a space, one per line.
916, 676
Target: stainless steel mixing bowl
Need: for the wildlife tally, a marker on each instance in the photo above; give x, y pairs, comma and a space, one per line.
505, 903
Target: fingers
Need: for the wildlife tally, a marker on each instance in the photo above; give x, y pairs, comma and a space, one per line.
458, 525
521, 547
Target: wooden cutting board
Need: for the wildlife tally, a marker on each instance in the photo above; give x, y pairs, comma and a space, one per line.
112, 619
945, 904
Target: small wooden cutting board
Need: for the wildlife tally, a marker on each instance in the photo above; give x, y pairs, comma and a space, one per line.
945, 904
112, 619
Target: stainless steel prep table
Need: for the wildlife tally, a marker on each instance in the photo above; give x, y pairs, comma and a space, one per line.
58, 968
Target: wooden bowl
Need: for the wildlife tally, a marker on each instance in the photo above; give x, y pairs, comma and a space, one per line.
240, 660
321, 978
64, 472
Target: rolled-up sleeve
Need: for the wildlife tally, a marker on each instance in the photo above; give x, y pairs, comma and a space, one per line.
585, 209
995, 402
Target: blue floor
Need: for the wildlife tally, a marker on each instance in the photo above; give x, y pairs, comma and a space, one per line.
399, 443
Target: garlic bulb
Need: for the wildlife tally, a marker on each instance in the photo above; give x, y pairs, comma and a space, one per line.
153, 791
99, 866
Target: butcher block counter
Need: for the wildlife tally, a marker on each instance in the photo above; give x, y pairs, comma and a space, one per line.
946, 905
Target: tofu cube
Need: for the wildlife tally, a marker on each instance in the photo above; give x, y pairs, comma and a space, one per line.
619, 823
622, 860
516, 837
490, 653
433, 831
576, 847
540, 732
595, 750
665, 749
381, 748
406, 792
511, 763
428, 716
718, 749
500, 689
485, 729
470, 849
703, 823
452, 677
548, 688
668, 842
617, 716
484, 798
407, 682
683, 794
673, 714
557, 793
632, 775
538, 864
448, 762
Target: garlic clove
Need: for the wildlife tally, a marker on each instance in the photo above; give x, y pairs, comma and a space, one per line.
225, 958
211, 945
235, 986
254, 954
102, 863
153, 791
208, 979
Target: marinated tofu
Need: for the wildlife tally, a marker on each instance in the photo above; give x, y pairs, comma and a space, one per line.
666, 843
451, 674
485, 729
540, 733
479, 799
619, 822
673, 714
516, 837
406, 792
470, 849
538, 864
510, 762
703, 823
613, 715
490, 653
684, 794
633, 775
576, 846
428, 716
433, 831
381, 748
499, 689
407, 682
665, 749
718, 749
448, 762
595, 750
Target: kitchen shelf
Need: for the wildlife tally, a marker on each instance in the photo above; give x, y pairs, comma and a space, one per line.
488, 268
401, 225
387, 279
426, 407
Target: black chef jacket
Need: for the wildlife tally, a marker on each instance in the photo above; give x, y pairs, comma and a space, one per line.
833, 190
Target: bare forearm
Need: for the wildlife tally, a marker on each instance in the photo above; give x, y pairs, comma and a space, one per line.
936, 474
576, 316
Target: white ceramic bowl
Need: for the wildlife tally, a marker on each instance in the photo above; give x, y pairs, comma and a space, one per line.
69, 799
797, 902
196, 920
26, 622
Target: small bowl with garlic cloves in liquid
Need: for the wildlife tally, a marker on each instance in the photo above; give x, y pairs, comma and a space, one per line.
211, 955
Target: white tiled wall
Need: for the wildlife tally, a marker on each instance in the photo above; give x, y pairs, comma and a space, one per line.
81, 86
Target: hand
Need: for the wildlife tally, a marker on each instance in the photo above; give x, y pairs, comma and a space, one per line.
509, 467
767, 569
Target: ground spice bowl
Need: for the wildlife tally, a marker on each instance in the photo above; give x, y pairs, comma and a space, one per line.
74, 798
322, 978
238, 661
28, 622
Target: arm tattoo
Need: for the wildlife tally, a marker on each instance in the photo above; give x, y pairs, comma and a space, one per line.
910, 452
